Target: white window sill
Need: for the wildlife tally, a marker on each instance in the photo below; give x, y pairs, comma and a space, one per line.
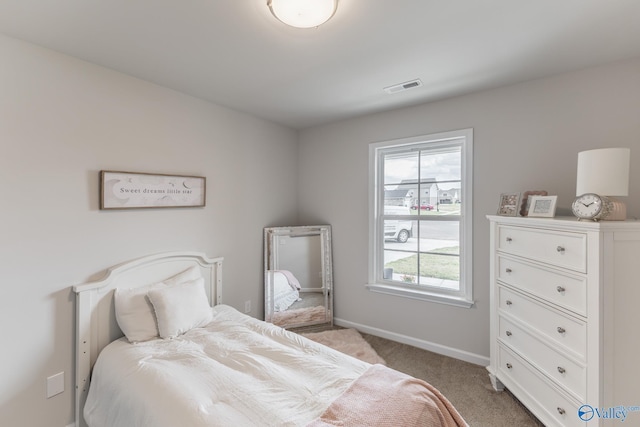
420, 295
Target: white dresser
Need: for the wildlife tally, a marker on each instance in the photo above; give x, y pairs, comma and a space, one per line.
565, 318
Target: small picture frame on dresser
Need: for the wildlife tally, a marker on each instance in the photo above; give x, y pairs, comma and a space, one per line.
524, 204
509, 204
542, 206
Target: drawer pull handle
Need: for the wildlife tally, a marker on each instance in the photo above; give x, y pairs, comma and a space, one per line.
561, 330
509, 302
508, 333
561, 411
509, 366
560, 289
561, 370
560, 249
509, 240
508, 270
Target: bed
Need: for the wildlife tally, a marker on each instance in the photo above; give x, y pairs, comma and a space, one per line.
285, 288
221, 367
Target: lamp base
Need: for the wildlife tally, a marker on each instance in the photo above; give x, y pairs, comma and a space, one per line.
617, 211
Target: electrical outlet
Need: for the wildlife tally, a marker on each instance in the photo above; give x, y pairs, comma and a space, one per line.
55, 384
247, 306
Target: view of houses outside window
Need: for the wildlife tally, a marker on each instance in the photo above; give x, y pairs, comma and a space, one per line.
421, 219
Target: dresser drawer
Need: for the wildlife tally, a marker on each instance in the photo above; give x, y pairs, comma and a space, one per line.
567, 373
557, 407
557, 248
562, 289
562, 329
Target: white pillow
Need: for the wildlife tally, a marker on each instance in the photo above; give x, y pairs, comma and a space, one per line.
135, 314
191, 273
180, 308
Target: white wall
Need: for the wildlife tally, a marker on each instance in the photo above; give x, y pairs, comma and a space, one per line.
526, 137
61, 122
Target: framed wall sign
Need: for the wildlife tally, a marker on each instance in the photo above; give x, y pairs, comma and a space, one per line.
509, 204
128, 190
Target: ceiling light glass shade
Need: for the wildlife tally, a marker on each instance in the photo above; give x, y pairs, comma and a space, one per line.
303, 13
604, 172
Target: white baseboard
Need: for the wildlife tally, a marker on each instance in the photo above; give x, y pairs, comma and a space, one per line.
425, 345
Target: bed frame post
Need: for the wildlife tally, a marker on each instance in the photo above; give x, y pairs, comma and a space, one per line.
216, 294
83, 354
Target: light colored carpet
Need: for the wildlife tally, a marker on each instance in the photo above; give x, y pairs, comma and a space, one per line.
466, 385
347, 341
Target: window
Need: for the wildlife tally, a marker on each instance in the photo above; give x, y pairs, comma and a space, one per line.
420, 217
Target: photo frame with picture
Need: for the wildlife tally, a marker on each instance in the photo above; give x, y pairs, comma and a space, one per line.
509, 204
524, 203
542, 206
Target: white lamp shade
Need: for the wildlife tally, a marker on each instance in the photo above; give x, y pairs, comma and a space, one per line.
604, 172
303, 13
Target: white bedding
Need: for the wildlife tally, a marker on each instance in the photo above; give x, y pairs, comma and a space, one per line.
286, 289
237, 371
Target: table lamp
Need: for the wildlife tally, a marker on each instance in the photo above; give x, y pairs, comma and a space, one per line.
602, 175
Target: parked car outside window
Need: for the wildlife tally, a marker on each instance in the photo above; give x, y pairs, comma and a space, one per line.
397, 229
423, 207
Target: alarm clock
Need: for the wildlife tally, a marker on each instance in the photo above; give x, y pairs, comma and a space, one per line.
590, 206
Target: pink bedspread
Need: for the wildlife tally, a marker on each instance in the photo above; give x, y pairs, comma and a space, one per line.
383, 397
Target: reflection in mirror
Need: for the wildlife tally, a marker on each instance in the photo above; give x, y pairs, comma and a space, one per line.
298, 276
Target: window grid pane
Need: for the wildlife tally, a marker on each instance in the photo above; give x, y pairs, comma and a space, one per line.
426, 251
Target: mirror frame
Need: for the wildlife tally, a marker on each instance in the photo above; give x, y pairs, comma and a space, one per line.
270, 236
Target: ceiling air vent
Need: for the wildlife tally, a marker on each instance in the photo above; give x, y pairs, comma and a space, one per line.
403, 86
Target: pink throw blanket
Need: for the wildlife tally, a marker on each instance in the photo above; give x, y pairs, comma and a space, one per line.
383, 397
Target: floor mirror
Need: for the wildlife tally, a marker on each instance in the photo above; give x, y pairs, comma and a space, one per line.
298, 276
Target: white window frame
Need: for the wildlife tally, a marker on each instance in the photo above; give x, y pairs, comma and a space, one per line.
461, 298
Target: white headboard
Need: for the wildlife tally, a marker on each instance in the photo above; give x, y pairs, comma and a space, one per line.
96, 324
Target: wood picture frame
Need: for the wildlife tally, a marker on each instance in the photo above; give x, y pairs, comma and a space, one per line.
542, 206
137, 190
524, 204
509, 203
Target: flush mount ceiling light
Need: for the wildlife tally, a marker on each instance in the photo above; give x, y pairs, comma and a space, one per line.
303, 13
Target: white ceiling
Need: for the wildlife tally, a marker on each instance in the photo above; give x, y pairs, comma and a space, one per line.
234, 53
